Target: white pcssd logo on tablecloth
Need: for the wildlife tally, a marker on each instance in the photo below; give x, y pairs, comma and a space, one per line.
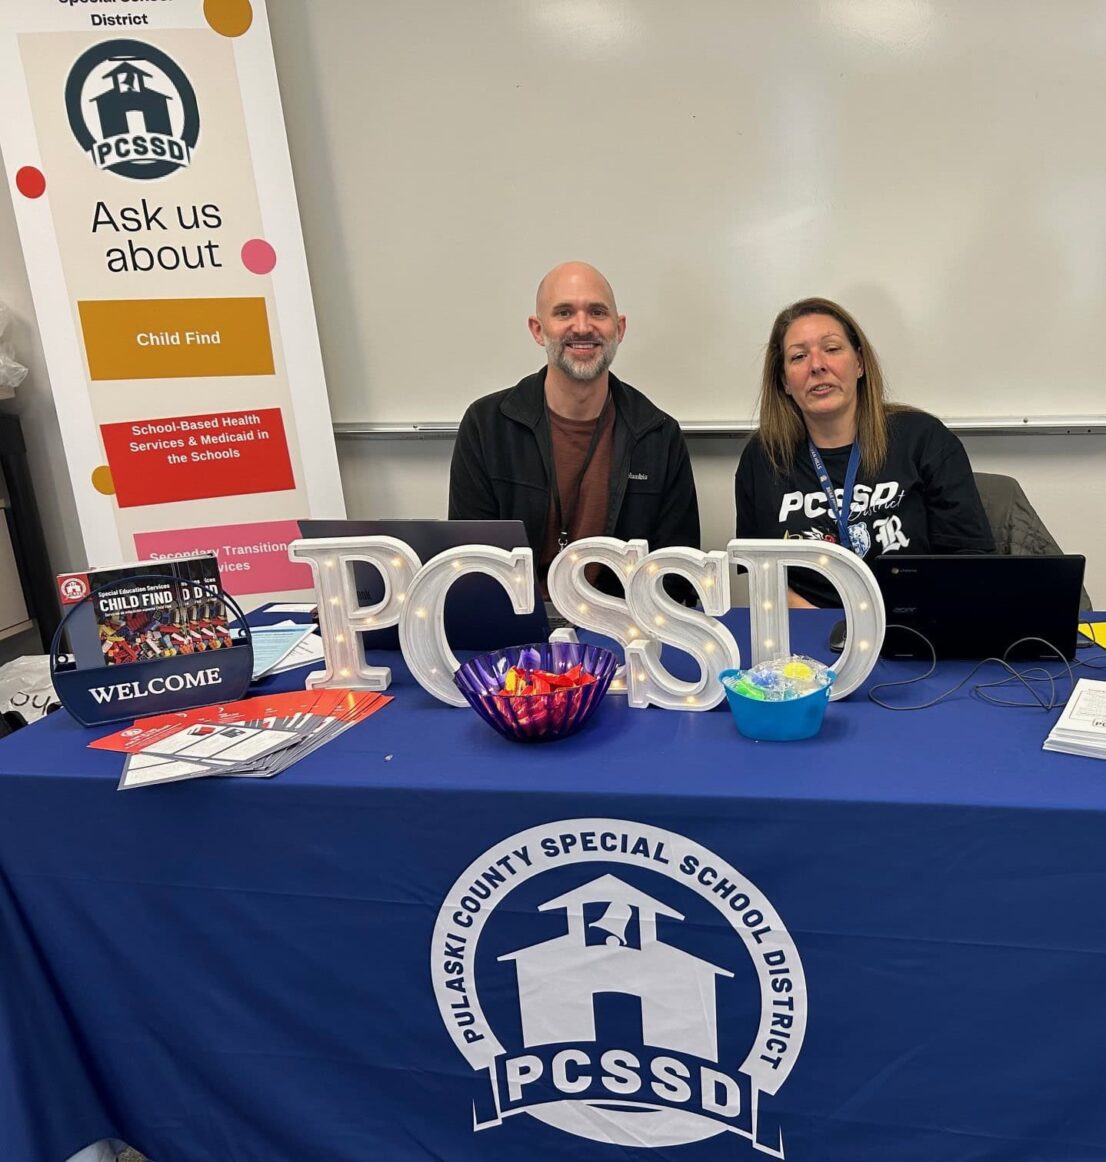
611, 1002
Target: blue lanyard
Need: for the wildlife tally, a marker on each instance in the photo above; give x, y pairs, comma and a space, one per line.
840, 515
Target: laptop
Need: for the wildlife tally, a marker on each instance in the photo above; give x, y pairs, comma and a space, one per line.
976, 606
478, 611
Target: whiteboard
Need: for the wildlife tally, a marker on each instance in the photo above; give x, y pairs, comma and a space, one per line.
937, 166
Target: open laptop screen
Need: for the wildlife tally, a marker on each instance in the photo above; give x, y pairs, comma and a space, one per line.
478, 611
977, 606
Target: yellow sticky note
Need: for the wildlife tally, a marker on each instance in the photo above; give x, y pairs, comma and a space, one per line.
1095, 630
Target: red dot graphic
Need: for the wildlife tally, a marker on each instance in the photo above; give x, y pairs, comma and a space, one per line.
30, 182
258, 256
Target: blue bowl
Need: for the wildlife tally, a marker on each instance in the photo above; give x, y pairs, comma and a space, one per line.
536, 717
777, 721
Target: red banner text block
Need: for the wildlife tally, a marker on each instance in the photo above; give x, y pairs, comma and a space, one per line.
196, 457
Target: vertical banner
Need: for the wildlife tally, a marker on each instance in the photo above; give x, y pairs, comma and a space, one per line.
144, 146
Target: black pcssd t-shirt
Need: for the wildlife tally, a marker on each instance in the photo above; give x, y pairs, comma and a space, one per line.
923, 500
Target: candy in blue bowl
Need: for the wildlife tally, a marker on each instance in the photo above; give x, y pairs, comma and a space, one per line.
780, 700
537, 693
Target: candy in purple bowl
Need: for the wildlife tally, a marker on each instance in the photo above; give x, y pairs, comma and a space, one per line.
537, 693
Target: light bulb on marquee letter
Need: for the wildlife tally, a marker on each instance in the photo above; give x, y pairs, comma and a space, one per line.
708, 641
342, 618
581, 603
865, 617
422, 623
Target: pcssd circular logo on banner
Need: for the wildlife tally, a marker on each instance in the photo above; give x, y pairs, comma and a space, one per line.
132, 109
636, 989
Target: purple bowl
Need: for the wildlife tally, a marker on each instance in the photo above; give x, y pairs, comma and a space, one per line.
536, 717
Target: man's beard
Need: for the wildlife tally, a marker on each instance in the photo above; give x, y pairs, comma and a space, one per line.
582, 371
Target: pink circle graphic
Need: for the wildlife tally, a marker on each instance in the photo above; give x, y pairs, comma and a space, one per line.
30, 182
258, 256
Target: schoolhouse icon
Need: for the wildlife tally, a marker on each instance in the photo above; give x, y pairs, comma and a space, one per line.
143, 121
128, 94
612, 947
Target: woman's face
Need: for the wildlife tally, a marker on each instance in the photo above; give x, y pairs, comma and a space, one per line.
820, 369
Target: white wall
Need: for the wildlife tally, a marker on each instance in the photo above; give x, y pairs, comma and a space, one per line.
929, 164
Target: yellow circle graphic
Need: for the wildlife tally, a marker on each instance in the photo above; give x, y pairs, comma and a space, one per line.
102, 480
228, 17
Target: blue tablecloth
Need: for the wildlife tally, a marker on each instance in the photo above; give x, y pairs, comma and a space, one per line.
227, 970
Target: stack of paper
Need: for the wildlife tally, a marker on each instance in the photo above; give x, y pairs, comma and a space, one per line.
1081, 729
257, 737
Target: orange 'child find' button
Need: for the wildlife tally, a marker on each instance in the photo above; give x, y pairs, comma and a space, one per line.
169, 338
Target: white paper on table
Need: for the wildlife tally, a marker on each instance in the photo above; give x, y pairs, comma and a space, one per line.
273, 643
143, 770
215, 749
221, 743
291, 607
1076, 748
309, 650
1081, 728
1085, 713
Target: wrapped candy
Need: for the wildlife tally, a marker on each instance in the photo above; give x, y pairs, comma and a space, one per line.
573, 676
781, 679
518, 680
523, 685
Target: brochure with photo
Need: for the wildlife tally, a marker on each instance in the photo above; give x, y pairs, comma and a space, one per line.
151, 609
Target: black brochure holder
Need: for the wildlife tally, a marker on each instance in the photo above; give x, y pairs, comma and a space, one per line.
100, 695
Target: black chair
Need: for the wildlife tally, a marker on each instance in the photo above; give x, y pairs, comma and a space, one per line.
1017, 528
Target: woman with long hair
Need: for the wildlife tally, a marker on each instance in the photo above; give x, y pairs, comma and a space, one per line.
832, 460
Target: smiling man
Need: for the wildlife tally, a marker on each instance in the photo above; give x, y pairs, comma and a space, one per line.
571, 450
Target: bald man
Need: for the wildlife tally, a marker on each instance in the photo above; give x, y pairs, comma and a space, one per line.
571, 450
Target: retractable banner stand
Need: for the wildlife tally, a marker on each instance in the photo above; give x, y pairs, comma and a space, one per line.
144, 147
